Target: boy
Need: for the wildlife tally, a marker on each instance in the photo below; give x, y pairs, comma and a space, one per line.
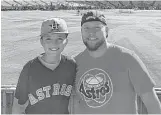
45, 83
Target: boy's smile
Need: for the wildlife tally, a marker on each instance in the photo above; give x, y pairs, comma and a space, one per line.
54, 49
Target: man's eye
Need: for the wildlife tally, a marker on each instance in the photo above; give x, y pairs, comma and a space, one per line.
86, 28
98, 27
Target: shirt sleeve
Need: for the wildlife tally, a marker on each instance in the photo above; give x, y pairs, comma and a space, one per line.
139, 75
21, 92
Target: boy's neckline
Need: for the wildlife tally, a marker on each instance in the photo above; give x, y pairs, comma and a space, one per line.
42, 57
51, 66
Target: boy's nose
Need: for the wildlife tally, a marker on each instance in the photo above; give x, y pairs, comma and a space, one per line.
53, 42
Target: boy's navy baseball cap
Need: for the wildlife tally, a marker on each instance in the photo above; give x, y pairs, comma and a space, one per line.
54, 25
93, 16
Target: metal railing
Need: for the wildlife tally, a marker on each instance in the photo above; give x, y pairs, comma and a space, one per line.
7, 96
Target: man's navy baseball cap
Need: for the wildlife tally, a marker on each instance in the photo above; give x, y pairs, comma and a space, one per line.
93, 16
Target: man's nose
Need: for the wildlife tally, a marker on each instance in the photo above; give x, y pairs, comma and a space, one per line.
92, 30
92, 33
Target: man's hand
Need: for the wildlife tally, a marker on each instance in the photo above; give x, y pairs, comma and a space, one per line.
151, 102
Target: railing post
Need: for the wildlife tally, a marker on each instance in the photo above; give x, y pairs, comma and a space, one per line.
9, 101
7, 96
3, 101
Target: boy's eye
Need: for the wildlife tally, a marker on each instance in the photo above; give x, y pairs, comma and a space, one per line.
60, 39
48, 39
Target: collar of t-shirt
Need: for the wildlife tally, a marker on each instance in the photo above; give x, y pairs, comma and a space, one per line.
48, 65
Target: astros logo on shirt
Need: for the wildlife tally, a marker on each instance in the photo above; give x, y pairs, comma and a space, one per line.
95, 87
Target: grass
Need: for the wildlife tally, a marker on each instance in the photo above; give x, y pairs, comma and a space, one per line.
139, 31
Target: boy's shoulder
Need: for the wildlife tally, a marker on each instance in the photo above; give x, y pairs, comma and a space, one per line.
31, 62
68, 59
79, 55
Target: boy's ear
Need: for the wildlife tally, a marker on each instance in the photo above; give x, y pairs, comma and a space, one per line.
65, 42
41, 40
107, 31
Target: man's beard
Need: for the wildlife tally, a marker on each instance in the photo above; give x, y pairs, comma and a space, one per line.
94, 47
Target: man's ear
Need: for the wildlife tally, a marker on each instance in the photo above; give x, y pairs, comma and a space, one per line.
81, 29
107, 31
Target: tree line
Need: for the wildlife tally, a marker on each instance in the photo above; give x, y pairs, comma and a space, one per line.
98, 5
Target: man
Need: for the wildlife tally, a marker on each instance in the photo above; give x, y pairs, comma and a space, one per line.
109, 76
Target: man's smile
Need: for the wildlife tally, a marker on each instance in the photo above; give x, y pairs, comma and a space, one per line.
92, 39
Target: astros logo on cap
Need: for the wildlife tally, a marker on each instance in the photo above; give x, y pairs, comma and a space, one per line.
54, 26
95, 87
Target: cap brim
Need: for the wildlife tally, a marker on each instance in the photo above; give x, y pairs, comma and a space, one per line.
56, 33
61, 32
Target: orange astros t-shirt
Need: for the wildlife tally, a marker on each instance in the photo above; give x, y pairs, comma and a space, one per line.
109, 84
